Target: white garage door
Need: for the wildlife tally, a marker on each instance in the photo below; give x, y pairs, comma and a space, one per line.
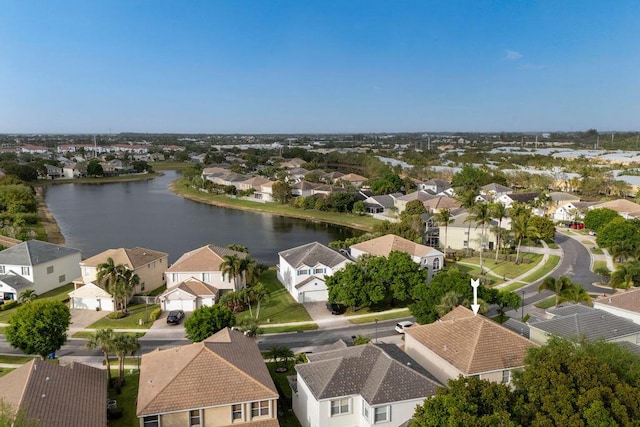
87, 303
315, 296
178, 304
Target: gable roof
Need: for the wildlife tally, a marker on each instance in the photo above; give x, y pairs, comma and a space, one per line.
206, 258
367, 370
71, 395
131, 258
522, 197
471, 343
34, 252
16, 281
384, 245
225, 368
442, 202
90, 290
194, 287
312, 254
353, 177
626, 300
498, 188
620, 205
417, 195
558, 196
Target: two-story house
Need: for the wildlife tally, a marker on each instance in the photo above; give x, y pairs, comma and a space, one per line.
302, 270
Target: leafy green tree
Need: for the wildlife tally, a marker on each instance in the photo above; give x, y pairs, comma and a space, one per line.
472, 178
414, 207
468, 401
26, 172
546, 229
359, 208
281, 192
39, 327
94, 168
10, 417
103, 339
507, 300
206, 321
595, 219
618, 230
558, 286
625, 275
387, 184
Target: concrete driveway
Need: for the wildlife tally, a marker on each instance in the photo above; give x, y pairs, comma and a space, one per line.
320, 315
80, 319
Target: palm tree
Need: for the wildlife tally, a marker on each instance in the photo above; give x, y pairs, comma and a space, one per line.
231, 268
27, 295
622, 250
481, 215
250, 268
103, 338
444, 217
468, 199
129, 281
558, 286
124, 344
260, 294
108, 273
624, 274
576, 294
499, 211
522, 228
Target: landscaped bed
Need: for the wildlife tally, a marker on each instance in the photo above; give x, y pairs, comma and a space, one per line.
126, 399
386, 316
57, 294
137, 312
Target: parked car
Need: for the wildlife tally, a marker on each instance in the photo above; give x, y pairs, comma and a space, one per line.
175, 317
336, 308
401, 326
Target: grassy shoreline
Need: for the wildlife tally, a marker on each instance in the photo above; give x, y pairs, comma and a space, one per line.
363, 223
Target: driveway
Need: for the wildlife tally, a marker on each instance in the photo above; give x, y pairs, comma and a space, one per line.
323, 318
160, 330
80, 319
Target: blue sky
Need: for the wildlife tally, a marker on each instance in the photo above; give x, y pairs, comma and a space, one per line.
318, 66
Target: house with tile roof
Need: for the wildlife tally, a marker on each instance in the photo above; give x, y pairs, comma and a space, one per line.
36, 265
373, 384
302, 270
439, 203
461, 343
624, 304
509, 199
401, 202
626, 208
463, 233
205, 264
575, 321
220, 381
495, 190
428, 257
296, 162
189, 295
352, 179
435, 186
55, 395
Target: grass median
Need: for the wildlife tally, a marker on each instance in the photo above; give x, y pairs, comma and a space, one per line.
548, 267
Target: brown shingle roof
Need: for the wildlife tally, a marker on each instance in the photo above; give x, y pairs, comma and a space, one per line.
131, 258
441, 202
224, 369
471, 343
384, 245
72, 395
206, 258
626, 300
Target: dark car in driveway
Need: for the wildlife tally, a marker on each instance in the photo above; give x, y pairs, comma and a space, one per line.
336, 308
175, 317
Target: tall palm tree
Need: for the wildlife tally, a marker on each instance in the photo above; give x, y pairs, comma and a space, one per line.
624, 274
260, 295
444, 217
576, 294
499, 211
481, 215
123, 345
108, 273
103, 339
129, 281
622, 250
467, 199
27, 295
522, 228
250, 268
231, 268
559, 286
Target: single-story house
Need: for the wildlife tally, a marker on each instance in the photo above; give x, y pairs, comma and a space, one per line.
189, 295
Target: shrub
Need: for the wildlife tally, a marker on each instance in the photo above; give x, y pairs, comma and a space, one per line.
8, 304
155, 313
116, 315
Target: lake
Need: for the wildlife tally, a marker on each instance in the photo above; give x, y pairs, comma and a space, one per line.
94, 218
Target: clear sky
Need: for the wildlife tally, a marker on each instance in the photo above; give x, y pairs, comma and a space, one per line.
308, 66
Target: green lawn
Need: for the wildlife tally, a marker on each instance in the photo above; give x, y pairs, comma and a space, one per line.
546, 303
126, 399
6, 358
88, 334
57, 294
281, 307
289, 328
507, 269
137, 312
169, 165
385, 316
597, 251
551, 263
553, 245
288, 419
5, 371
599, 264
513, 286
101, 180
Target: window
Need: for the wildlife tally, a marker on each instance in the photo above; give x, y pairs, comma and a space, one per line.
85, 271
320, 271
206, 277
175, 277
194, 417
236, 412
340, 406
259, 409
302, 272
26, 271
1, 269
50, 269
506, 376
381, 414
62, 278
151, 421
365, 411
436, 264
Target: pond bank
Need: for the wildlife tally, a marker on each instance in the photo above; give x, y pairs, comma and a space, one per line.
49, 223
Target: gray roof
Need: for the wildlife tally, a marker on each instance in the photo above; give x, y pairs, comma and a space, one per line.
367, 370
593, 325
517, 326
15, 281
523, 197
634, 348
312, 254
34, 252
496, 187
568, 310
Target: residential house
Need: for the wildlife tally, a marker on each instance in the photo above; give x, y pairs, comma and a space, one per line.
189, 295
296, 162
266, 191
509, 199
571, 211
461, 343
465, 233
74, 170
36, 265
435, 186
626, 208
366, 385
439, 203
494, 190
220, 381
381, 204
56, 395
53, 172
303, 189
352, 179
324, 189
622, 304
297, 174
34, 149
426, 256
574, 321
205, 264
421, 195
302, 270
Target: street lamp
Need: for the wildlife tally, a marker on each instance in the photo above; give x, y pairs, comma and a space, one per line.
522, 314
376, 320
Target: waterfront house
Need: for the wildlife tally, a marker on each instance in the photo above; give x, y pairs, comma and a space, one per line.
189, 295
401, 202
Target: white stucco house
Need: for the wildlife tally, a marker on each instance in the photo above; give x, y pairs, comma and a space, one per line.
36, 265
91, 297
302, 270
189, 296
366, 385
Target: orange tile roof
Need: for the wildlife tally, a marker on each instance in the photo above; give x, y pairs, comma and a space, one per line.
626, 300
472, 343
131, 258
384, 245
224, 369
206, 258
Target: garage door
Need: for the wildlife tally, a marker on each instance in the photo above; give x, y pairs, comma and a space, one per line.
315, 296
178, 304
84, 303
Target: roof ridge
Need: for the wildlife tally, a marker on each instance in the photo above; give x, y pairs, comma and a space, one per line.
475, 344
26, 245
27, 380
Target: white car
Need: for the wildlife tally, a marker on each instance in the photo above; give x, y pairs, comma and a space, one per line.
401, 326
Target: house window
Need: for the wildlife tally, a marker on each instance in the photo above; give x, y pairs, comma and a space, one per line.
319, 270
436, 264
365, 411
259, 409
465, 243
50, 269
340, 406
62, 278
175, 277
302, 272
1, 269
206, 277
151, 421
236, 412
506, 376
194, 418
381, 414
26, 271
85, 271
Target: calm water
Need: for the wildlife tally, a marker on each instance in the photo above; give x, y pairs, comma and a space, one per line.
94, 218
